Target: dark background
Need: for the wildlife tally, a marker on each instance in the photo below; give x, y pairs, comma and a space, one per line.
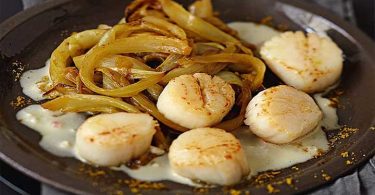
364, 14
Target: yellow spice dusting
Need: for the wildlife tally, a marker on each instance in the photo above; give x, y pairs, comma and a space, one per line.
136, 185
200, 190
344, 133
17, 69
95, 173
289, 181
344, 154
264, 177
271, 189
348, 162
234, 192
134, 190
326, 176
20, 101
295, 168
119, 192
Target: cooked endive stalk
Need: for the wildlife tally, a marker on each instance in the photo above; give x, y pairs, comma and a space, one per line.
108, 37
129, 90
104, 27
203, 48
198, 26
161, 23
150, 107
211, 69
152, 24
116, 30
120, 31
195, 24
107, 82
220, 25
230, 78
112, 73
230, 48
78, 60
142, 74
87, 103
125, 30
244, 99
202, 9
169, 63
134, 44
109, 76
155, 91
121, 21
144, 11
132, 7
242, 63
181, 71
71, 47
160, 140
60, 89
117, 62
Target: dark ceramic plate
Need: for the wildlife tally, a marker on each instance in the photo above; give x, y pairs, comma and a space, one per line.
28, 39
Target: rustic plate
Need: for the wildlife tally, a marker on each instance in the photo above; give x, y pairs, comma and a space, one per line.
28, 39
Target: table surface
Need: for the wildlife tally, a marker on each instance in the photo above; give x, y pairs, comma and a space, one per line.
361, 181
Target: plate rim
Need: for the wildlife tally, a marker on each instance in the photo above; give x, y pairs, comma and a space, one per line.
16, 162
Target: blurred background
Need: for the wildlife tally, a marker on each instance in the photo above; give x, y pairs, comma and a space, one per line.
360, 13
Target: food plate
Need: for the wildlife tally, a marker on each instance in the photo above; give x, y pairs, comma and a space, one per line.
28, 39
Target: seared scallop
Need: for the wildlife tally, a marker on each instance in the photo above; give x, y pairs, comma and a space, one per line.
197, 100
282, 114
210, 155
112, 139
307, 62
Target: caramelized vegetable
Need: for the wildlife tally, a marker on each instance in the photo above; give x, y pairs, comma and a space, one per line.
125, 67
71, 47
88, 103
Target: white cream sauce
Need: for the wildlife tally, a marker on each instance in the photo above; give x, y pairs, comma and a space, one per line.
158, 169
58, 129
254, 33
262, 156
330, 119
30, 79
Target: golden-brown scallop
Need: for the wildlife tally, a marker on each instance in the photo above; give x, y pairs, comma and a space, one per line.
111, 139
210, 155
282, 114
307, 62
197, 100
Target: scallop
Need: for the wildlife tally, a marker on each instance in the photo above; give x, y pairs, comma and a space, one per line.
210, 155
307, 62
197, 100
112, 139
282, 114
